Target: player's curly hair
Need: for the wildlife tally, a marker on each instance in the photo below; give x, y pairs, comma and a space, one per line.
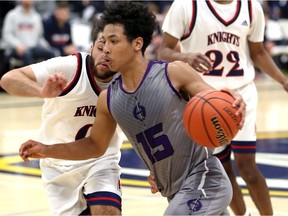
97, 28
135, 17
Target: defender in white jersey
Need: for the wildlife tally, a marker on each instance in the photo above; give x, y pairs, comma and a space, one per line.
146, 102
223, 40
73, 187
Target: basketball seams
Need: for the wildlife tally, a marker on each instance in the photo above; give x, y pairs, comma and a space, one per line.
223, 99
191, 112
204, 122
219, 98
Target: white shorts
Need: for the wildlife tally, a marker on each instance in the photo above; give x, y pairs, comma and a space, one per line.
250, 97
67, 186
248, 132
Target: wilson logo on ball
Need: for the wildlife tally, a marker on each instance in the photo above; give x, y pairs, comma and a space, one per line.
220, 133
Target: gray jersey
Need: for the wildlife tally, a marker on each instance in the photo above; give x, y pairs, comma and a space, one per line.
151, 118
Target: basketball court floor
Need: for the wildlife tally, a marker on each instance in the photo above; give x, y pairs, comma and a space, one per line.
21, 191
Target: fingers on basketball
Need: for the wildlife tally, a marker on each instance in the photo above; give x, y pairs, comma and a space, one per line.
209, 118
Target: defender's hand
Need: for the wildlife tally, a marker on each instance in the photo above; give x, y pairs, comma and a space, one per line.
32, 149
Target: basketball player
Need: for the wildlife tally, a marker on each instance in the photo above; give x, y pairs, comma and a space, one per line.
146, 103
73, 187
230, 34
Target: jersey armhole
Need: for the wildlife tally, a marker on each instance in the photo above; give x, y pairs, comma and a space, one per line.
76, 77
169, 81
250, 11
192, 21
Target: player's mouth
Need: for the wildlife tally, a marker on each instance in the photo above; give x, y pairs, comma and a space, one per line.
106, 60
103, 65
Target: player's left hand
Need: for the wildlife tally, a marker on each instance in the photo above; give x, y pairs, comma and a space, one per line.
32, 149
54, 85
239, 104
151, 181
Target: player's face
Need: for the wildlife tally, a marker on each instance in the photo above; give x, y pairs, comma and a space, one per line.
97, 62
119, 52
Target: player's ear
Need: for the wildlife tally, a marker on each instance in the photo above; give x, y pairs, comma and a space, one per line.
138, 43
91, 48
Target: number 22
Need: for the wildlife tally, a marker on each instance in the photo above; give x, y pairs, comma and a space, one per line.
217, 57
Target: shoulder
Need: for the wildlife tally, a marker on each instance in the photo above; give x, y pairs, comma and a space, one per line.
181, 3
256, 6
176, 65
12, 13
103, 100
179, 70
257, 14
57, 64
176, 70
36, 15
65, 60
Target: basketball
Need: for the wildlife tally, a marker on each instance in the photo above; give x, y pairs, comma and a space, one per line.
209, 118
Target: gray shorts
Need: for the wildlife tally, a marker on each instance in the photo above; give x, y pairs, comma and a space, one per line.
211, 198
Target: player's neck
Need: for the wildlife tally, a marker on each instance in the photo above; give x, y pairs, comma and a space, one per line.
132, 76
223, 1
107, 80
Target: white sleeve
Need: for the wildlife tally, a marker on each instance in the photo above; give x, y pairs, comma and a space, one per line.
65, 64
177, 19
257, 28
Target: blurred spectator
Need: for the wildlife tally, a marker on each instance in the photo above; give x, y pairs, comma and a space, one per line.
160, 11
87, 9
57, 29
278, 9
45, 8
162, 5
5, 7
283, 5
23, 34
275, 40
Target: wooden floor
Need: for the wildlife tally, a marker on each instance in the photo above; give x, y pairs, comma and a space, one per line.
21, 194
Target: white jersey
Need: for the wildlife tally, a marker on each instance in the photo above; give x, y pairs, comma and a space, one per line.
221, 34
70, 116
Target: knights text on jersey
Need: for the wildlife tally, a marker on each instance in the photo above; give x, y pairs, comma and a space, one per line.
221, 33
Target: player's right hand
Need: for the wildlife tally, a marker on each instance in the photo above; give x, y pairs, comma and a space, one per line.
151, 181
32, 149
239, 104
54, 85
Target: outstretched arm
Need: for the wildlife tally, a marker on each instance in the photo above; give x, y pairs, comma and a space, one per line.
90, 147
22, 82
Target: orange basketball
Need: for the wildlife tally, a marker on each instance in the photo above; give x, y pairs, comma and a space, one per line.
210, 120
